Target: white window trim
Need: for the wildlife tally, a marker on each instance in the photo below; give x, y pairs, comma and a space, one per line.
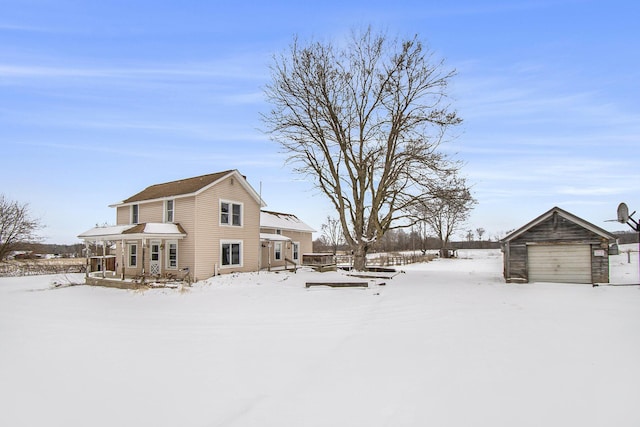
277, 251
231, 203
293, 256
166, 210
137, 220
232, 242
129, 247
167, 253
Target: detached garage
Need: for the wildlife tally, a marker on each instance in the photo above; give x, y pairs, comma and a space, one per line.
557, 247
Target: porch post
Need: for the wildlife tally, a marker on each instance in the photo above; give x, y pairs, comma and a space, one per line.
103, 257
122, 247
144, 242
86, 260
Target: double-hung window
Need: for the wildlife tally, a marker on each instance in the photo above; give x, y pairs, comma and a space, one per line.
277, 251
134, 214
231, 214
168, 211
172, 254
231, 254
296, 251
133, 255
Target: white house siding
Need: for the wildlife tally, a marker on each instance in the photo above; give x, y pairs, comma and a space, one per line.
184, 214
123, 215
210, 233
151, 211
305, 240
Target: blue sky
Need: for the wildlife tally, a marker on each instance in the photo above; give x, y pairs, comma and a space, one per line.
99, 99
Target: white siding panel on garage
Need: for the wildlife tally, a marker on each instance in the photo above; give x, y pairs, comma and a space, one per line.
559, 263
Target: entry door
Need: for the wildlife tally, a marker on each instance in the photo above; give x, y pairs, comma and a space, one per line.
154, 260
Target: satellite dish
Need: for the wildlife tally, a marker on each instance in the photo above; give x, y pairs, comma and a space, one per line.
623, 213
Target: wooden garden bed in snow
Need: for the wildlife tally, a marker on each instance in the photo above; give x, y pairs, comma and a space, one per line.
339, 284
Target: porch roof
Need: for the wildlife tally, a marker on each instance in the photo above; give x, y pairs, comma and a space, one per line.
269, 237
149, 230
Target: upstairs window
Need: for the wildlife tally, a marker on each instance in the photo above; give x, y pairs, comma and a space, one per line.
134, 214
231, 214
168, 211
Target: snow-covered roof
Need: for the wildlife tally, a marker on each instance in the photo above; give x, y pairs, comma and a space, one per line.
283, 221
134, 231
104, 231
273, 237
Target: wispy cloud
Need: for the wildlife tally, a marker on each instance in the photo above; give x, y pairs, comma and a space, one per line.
25, 28
590, 191
178, 153
192, 70
486, 8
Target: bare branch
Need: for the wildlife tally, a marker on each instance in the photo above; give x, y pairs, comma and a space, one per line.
364, 120
16, 226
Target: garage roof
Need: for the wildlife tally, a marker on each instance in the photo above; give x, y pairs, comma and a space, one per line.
568, 216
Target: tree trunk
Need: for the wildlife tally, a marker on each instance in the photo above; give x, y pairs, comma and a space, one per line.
360, 257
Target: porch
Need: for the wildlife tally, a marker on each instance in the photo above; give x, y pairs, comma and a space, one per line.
111, 280
145, 253
278, 253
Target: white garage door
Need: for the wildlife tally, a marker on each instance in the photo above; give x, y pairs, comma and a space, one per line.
559, 263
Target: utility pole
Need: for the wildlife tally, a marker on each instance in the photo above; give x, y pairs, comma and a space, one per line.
624, 217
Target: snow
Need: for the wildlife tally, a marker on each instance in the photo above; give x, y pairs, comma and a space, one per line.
274, 237
283, 221
104, 231
161, 228
446, 343
117, 231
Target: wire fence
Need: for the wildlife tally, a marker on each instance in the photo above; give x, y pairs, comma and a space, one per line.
41, 267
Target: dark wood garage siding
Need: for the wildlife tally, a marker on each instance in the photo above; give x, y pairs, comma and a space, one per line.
555, 230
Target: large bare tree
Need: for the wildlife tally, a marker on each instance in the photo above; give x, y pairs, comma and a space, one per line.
16, 225
364, 119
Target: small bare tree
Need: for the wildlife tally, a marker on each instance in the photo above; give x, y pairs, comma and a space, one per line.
445, 215
332, 233
364, 120
16, 226
469, 236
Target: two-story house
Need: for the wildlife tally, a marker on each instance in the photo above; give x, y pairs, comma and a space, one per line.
208, 225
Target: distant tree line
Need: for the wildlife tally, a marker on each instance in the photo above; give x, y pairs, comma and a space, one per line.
64, 251
403, 240
626, 237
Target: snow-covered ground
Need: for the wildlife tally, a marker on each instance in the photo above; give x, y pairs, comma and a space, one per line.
446, 343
